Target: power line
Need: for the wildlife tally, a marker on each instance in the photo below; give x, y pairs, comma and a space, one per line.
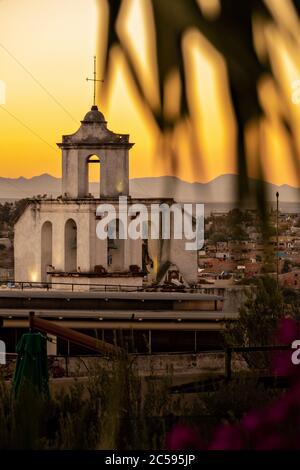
39, 83
29, 128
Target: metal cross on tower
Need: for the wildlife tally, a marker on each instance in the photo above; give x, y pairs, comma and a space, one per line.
95, 80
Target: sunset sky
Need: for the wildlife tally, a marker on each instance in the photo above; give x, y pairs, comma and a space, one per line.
56, 41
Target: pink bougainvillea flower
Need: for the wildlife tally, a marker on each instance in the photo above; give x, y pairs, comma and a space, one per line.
278, 411
287, 331
227, 437
271, 442
183, 438
252, 422
282, 364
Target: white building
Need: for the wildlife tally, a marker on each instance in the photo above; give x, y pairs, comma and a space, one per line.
55, 239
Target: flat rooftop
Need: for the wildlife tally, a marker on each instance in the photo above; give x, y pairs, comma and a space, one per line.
60, 294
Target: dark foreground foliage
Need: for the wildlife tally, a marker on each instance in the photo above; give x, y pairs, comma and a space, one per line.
115, 409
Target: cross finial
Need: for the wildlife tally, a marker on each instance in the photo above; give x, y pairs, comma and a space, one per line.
95, 80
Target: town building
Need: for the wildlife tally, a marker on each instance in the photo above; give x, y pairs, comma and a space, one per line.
56, 240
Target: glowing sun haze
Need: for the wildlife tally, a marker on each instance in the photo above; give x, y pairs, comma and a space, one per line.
56, 41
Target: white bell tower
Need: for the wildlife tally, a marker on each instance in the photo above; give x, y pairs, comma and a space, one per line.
94, 138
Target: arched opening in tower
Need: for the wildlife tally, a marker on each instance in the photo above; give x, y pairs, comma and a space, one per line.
94, 175
70, 246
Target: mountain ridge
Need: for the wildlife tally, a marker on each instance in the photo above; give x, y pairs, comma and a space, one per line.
220, 189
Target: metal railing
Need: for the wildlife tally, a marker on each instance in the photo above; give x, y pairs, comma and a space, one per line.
23, 285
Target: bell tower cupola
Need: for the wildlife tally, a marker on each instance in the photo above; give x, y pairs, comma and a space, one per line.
94, 138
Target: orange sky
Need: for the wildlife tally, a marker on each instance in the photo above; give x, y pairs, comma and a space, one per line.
56, 40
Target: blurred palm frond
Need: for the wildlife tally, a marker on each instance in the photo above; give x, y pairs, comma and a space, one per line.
231, 33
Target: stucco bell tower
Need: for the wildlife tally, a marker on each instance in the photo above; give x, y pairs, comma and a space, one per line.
93, 138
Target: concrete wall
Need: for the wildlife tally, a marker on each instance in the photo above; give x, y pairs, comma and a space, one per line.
28, 237
91, 251
27, 245
46, 249
186, 366
185, 260
70, 180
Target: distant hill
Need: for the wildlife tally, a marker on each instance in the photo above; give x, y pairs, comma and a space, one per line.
219, 190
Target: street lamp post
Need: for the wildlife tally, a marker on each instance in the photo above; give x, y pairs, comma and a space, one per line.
277, 237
